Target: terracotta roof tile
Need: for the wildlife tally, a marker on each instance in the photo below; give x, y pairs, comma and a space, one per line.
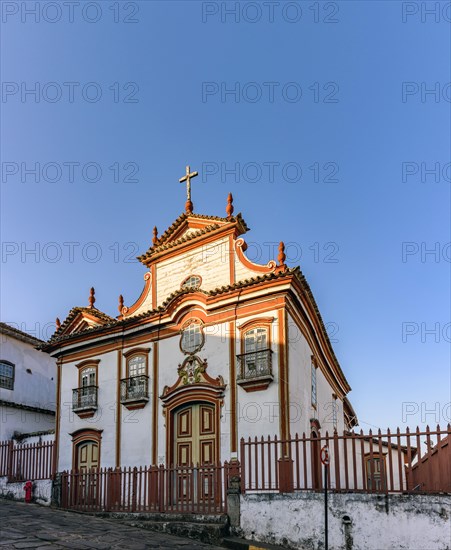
110, 322
19, 334
164, 242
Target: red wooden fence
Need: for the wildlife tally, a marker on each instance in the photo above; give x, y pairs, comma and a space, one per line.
20, 462
432, 472
371, 463
193, 489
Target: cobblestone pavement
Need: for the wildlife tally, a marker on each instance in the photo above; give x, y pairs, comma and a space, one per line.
33, 526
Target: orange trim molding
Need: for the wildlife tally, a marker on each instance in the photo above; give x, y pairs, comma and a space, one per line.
118, 410
145, 291
240, 248
85, 434
155, 405
232, 358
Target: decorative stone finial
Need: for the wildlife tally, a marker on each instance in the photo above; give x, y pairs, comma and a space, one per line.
189, 207
155, 235
282, 256
92, 297
58, 323
187, 177
121, 303
229, 207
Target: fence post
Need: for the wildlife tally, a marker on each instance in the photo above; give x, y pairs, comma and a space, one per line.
57, 489
161, 473
9, 468
285, 467
243, 466
134, 488
232, 474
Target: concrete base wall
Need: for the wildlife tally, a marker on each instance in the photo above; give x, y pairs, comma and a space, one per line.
42, 491
356, 521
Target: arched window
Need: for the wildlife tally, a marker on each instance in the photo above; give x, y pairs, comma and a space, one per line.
7, 375
135, 386
88, 377
136, 366
255, 350
255, 361
192, 337
192, 282
255, 340
84, 398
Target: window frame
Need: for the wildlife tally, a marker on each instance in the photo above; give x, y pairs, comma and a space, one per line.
185, 326
12, 378
259, 322
246, 376
136, 352
182, 287
90, 363
313, 383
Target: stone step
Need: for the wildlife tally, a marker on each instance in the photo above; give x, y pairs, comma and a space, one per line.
235, 543
209, 532
158, 516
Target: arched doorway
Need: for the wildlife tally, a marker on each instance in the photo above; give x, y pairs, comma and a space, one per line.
315, 446
192, 410
86, 455
85, 461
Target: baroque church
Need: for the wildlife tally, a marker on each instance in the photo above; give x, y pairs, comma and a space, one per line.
214, 349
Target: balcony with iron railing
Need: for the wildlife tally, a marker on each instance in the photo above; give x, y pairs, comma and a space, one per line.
135, 391
84, 401
255, 370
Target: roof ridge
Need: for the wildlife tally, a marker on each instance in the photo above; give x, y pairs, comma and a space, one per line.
5, 328
161, 243
171, 244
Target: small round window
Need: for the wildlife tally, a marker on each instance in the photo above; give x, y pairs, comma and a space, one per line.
192, 282
192, 338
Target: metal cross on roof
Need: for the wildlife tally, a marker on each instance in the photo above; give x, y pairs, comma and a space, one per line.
187, 177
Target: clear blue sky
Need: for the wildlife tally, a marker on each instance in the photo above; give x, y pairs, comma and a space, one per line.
161, 84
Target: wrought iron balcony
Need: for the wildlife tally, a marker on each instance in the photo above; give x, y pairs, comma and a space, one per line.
84, 400
135, 391
255, 370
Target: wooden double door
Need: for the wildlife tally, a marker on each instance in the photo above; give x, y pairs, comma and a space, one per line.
195, 435
87, 461
194, 456
87, 456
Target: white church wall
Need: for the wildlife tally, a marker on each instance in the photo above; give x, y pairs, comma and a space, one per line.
326, 404
210, 261
136, 425
170, 357
258, 412
103, 419
299, 361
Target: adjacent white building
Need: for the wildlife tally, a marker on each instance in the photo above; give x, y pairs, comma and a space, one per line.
27, 385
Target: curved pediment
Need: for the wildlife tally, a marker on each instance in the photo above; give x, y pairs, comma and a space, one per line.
192, 374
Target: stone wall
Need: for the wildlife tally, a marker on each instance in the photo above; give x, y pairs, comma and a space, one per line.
356, 521
42, 491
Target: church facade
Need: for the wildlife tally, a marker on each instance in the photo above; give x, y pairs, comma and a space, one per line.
215, 348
